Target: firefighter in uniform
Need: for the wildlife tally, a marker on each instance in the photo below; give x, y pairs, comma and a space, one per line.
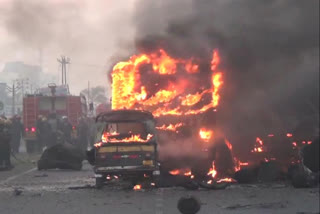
53, 129
66, 128
17, 132
5, 137
82, 132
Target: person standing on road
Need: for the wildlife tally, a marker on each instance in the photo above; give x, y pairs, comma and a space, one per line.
92, 131
5, 137
53, 130
17, 132
66, 128
45, 133
82, 133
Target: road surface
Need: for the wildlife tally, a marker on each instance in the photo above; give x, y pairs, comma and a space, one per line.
26, 190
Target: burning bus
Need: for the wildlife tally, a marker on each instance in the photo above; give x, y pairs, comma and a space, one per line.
183, 95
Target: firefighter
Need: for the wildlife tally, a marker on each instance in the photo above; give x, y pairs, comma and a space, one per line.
92, 131
43, 130
45, 133
5, 137
17, 132
39, 133
66, 128
53, 129
82, 132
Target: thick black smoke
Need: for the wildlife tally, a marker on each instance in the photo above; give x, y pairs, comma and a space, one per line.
269, 48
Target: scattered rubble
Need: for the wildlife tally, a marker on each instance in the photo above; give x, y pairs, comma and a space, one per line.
260, 205
41, 176
17, 192
81, 187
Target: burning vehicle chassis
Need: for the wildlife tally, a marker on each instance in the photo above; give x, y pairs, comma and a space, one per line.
126, 146
183, 95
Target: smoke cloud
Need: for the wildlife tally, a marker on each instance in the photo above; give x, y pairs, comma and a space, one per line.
270, 52
90, 33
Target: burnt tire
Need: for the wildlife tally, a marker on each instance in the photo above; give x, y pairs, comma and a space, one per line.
99, 183
214, 185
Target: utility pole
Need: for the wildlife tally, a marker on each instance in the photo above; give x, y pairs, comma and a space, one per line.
64, 61
23, 83
13, 90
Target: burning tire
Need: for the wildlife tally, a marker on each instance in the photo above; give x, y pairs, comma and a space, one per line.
214, 185
190, 185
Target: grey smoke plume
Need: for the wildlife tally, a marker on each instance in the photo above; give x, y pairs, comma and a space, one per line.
88, 32
269, 48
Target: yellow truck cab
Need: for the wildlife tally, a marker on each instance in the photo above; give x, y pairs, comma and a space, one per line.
125, 145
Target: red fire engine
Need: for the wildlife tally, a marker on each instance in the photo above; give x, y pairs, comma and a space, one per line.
48, 100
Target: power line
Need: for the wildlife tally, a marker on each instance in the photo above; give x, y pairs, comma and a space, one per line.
64, 61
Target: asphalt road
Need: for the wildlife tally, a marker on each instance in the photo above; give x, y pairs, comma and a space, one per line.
61, 191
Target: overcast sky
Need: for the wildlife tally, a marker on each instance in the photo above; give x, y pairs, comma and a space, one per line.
90, 32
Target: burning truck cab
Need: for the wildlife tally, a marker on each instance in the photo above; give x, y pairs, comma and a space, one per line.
126, 144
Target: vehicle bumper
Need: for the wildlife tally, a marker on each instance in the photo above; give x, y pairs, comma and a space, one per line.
126, 170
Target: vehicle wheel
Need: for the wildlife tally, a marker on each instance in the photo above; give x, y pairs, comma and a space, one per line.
99, 182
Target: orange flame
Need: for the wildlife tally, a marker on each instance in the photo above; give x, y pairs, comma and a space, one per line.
259, 146
258, 140
128, 92
174, 172
228, 144
125, 76
226, 180
133, 138
205, 135
185, 172
188, 173
212, 170
217, 82
107, 138
192, 99
191, 68
163, 63
137, 187
215, 60
106, 135
170, 127
162, 96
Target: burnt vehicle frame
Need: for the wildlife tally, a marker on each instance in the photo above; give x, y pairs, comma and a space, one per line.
130, 160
